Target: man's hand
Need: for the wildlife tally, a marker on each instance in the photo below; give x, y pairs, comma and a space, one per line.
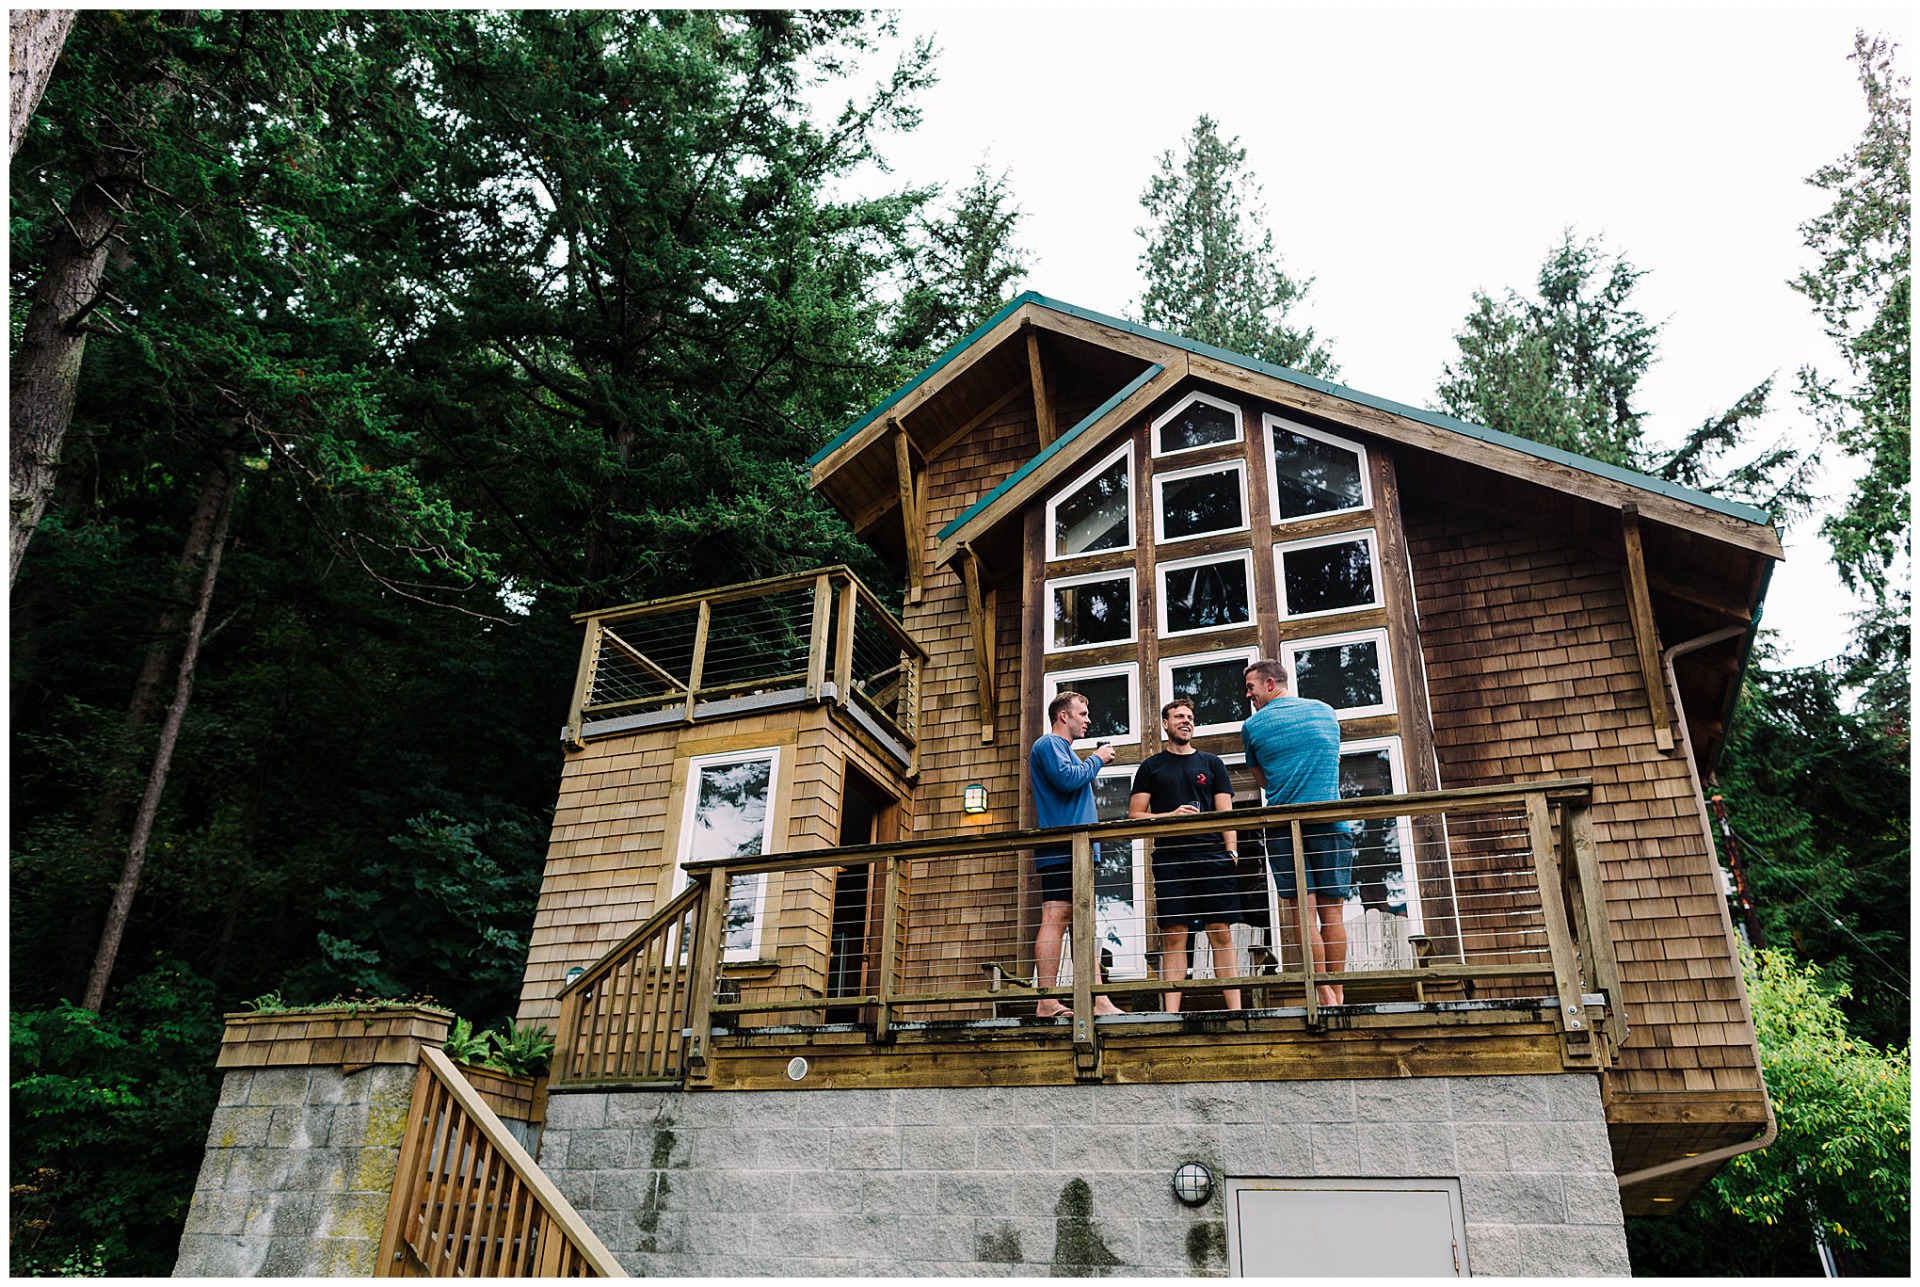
1105, 751
1185, 808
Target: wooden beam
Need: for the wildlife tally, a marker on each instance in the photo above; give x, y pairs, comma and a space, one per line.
1553, 912
979, 418
1646, 634
582, 684
1042, 398
1718, 607
639, 658
817, 639
703, 622
982, 634
909, 514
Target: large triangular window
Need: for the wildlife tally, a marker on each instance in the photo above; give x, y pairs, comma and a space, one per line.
1314, 473
1094, 513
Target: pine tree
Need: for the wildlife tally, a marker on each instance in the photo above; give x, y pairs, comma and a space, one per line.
960, 268
1211, 271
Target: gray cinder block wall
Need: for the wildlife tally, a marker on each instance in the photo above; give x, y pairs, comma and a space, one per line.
1069, 1179
299, 1166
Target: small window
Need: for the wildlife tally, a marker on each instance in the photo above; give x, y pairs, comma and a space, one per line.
1199, 420
1348, 672
1210, 593
1313, 472
729, 801
1094, 513
1113, 700
1200, 502
1327, 574
1091, 610
1216, 683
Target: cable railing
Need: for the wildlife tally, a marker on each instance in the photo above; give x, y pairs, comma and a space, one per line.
1476, 898
468, 1202
820, 635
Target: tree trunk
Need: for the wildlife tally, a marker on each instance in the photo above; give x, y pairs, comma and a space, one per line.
122, 905
35, 39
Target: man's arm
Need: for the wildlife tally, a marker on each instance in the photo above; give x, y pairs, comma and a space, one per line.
1064, 770
1139, 805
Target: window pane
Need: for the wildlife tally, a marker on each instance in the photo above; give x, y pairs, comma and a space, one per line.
1198, 424
1107, 705
1313, 477
1344, 676
1212, 594
1326, 578
1092, 612
1201, 503
1094, 517
1218, 690
1117, 924
1378, 875
730, 820
1365, 773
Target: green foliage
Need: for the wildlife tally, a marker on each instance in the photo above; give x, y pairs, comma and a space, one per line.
466, 1046
1211, 271
961, 268
523, 1049
109, 1114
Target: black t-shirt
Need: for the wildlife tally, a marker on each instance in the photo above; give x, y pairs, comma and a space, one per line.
1170, 781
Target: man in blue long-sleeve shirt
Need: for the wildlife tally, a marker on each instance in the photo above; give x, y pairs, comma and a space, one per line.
1062, 797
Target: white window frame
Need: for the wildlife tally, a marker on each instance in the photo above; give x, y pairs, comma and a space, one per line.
1201, 560
1246, 656
1237, 466
1282, 548
695, 766
1165, 417
1292, 648
1127, 969
1271, 422
1054, 681
1106, 463
1126, 574
1397, 782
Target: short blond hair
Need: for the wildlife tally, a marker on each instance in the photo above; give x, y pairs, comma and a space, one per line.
1272, 670
1065, 699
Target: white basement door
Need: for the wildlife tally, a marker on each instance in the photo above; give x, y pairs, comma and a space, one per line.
1346, 1228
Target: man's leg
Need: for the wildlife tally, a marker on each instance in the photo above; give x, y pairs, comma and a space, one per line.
1226, 962
1173, 960
1330, 943
1055, 916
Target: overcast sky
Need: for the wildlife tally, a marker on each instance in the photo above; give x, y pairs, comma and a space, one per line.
1411, 156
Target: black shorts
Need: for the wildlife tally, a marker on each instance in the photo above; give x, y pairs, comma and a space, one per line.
1329, 859
1056, 883
1201, 888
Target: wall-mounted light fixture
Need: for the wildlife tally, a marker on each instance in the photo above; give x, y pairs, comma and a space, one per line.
573, 974
1193, 1184
974, 799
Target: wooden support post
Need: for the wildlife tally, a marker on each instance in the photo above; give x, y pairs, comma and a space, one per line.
703, 622
910, 515
1606, 965
583, 684
983, 642
1042, 399
708, 948
1646, 636
568, 1038
843, 646
889, 936
1086, 954
1304, 915
1560, 945
817, 642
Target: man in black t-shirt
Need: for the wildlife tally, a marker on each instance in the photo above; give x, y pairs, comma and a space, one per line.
1194, 879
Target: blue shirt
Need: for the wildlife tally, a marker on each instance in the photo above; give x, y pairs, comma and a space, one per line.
1062, 791
1295, 744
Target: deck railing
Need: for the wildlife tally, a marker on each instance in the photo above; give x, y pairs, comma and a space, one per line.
809, 636
1499, 891
468, 1202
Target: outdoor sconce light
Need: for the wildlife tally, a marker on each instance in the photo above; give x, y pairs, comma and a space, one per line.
974, 799
573, 974
1193, 1184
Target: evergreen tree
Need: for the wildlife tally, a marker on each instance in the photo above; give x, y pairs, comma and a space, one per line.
960, 269
1211, 271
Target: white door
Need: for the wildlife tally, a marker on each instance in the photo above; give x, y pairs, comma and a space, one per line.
1346, 1228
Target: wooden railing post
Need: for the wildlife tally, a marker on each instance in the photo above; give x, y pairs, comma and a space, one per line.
843, 646
1086, 953
565, 1057
709, 947
697, 669
889, 947
817, 641
1553, 910
1303, 914
583, 684
1593, 908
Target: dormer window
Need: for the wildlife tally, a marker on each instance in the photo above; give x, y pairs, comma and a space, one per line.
1314, 473
1196, 421
1094, 513
1203, 501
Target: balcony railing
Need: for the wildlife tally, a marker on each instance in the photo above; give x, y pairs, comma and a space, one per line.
810, 636
1500, 909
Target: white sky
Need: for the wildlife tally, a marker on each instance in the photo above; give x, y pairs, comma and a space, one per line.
1411, 156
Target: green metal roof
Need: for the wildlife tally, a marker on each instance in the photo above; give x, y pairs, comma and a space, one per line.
1585, 464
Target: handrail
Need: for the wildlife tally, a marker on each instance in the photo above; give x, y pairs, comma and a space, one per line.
469, 1202
628, 1014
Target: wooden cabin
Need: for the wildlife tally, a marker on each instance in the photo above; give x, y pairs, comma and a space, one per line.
792, 849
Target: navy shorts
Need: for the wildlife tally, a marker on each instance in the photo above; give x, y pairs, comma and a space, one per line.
1200, 888
1329, 859
1056, 883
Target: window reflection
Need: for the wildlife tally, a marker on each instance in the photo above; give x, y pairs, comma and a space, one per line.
730, 821
1117, 911
1198, 424
1196, 504
1346, 676
1217, 689
1378, 879
1206, 596
1313, 477
1095, 516
1327, 578
1092, 612
1108, 705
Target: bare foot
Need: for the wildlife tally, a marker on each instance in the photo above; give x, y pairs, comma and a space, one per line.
1329, 995
1101, 1005
1048, 1008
